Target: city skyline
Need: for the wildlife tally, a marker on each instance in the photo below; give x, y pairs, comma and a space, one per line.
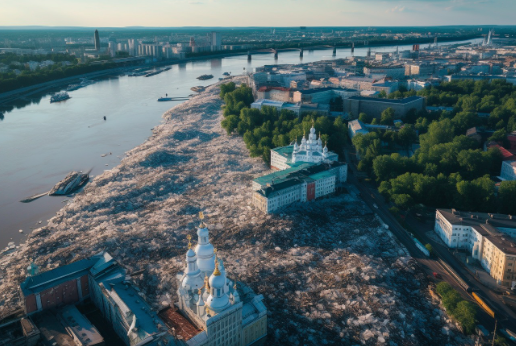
224, 13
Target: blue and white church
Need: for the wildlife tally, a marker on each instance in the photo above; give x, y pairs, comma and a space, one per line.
227, 312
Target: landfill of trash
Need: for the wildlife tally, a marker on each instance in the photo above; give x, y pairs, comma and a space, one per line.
329, 272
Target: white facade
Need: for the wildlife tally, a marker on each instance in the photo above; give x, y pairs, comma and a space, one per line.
508, 171
276, 104
458, 236
214, 305
278, 162
310, 150
477, 233
216, 40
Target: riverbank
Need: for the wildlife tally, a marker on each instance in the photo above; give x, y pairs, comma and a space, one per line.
329, 272
11, 96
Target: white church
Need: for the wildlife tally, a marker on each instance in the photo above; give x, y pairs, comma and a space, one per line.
226, 312
310, 150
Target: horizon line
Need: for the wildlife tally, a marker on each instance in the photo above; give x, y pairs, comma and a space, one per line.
252, 26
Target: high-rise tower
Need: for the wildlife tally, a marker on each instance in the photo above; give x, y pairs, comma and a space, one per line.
97, 40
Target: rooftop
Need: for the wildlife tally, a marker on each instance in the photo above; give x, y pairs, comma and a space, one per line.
54, 277
280, 175
80, 326
305, 172
396, 101
272, 103
506, 154
320, 90
268, 88
486, 224
356, 125
182, 326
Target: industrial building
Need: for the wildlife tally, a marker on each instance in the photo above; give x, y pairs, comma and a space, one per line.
488, 238
375, 106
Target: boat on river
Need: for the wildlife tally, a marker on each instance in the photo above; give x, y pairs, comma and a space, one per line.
155, 72
62, 96
70, 183
137, 74
205, 77
73, 87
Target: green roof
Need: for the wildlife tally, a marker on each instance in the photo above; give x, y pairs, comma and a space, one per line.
322, 175
301, 172
272, 190
280, 176
285, 151
54, 277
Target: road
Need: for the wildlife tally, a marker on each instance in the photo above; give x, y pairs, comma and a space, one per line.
506, 317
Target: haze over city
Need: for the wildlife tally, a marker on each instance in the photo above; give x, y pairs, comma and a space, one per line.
176, 13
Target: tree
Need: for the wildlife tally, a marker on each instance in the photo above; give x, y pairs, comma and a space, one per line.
463, 121
430, 249
438, 132
387, 167
473, 162
499, 136
443, 288
407, 135
387, 117
382, 94
266, 156
465, 313
476, 194
404, 201
506, 194
363, 117
230, 123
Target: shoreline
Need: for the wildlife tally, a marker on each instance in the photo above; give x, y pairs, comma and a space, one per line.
13, 95
313, 263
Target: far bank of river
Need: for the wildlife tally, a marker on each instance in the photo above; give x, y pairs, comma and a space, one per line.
41, 142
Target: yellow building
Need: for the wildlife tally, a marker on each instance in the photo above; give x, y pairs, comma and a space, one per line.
488, 237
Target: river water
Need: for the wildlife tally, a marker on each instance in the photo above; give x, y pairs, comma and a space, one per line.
40, 143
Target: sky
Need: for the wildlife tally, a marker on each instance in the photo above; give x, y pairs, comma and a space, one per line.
269, 13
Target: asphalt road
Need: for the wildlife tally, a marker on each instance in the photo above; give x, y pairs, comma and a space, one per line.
506, 317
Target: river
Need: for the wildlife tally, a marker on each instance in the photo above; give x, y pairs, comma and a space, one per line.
41, 142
